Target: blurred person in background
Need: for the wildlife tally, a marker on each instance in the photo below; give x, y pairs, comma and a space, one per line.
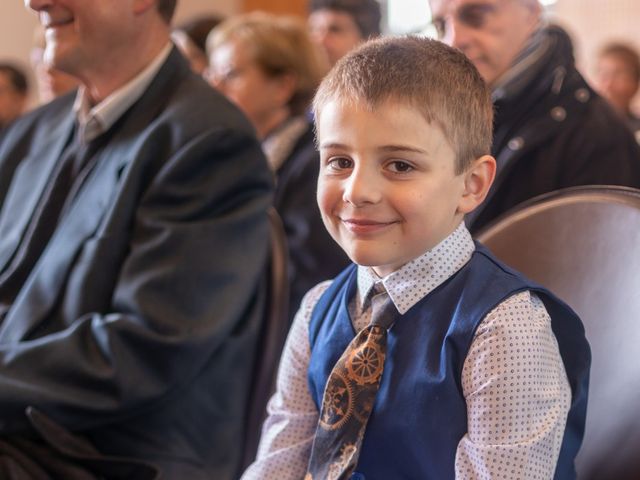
133, 250
191, 38
268, 66
338, 26
14, 93
617, 79
551, 130
50, 81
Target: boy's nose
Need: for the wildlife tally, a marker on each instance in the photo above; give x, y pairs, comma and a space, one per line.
362, 188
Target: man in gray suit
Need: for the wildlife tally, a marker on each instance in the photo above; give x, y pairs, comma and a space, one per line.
133, 239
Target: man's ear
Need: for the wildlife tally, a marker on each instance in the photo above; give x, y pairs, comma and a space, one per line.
535, 11
477, 181
141, 6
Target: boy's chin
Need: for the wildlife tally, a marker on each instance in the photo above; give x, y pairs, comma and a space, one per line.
382, 267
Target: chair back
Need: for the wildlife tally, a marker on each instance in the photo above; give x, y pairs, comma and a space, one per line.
272, 336
583, 244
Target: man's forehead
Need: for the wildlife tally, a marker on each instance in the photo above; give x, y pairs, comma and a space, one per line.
452, 5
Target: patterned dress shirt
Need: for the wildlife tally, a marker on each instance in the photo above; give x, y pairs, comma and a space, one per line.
513, 379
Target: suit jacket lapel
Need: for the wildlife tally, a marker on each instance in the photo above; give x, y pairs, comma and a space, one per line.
29, 183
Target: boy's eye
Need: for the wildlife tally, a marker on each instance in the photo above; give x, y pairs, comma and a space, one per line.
340, 163
399, 166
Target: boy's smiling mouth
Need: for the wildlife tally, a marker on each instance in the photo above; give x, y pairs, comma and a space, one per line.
365, 225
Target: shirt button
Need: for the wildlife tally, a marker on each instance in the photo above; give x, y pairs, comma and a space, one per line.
516, 143
582, 95
558, 114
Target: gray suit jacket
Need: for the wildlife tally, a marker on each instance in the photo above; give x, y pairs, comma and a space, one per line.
137, 326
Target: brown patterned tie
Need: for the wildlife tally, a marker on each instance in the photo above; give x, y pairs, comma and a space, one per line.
349, 396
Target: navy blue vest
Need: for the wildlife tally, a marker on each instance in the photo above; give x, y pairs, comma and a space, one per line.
420, 413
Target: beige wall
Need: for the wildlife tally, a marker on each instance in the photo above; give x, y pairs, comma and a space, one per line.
591, 23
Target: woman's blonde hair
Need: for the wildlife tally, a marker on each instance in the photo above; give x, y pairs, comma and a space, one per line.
279, 45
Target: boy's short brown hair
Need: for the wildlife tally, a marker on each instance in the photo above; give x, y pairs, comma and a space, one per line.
424, 74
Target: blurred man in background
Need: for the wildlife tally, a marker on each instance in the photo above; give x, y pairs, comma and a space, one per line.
617, 79
551, 130
133, 245
191, 38
14, 92
340, 25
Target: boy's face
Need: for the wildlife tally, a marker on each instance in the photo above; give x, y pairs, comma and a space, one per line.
387, 188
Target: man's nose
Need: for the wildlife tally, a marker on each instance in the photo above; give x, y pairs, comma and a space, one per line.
38, 5
456, 34
319, 36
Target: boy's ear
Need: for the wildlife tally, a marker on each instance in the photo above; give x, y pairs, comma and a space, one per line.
477, 181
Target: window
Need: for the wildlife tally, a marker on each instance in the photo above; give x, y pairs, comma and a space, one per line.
413, 16
407, 16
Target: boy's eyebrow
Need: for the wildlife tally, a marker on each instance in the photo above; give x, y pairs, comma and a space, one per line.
402, 148
333, 145
384, 148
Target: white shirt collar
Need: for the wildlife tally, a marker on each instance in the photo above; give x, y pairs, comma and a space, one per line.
414, 280
96, 120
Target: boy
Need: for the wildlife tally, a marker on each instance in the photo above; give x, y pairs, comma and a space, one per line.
477, 373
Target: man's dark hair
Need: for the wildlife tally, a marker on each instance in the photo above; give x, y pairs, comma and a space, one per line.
365, 13
16, 76
198, 28
166, 9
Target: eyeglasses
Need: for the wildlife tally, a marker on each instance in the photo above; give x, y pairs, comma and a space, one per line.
473, 15
222, 77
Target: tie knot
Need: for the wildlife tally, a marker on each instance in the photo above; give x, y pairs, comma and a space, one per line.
383, 311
